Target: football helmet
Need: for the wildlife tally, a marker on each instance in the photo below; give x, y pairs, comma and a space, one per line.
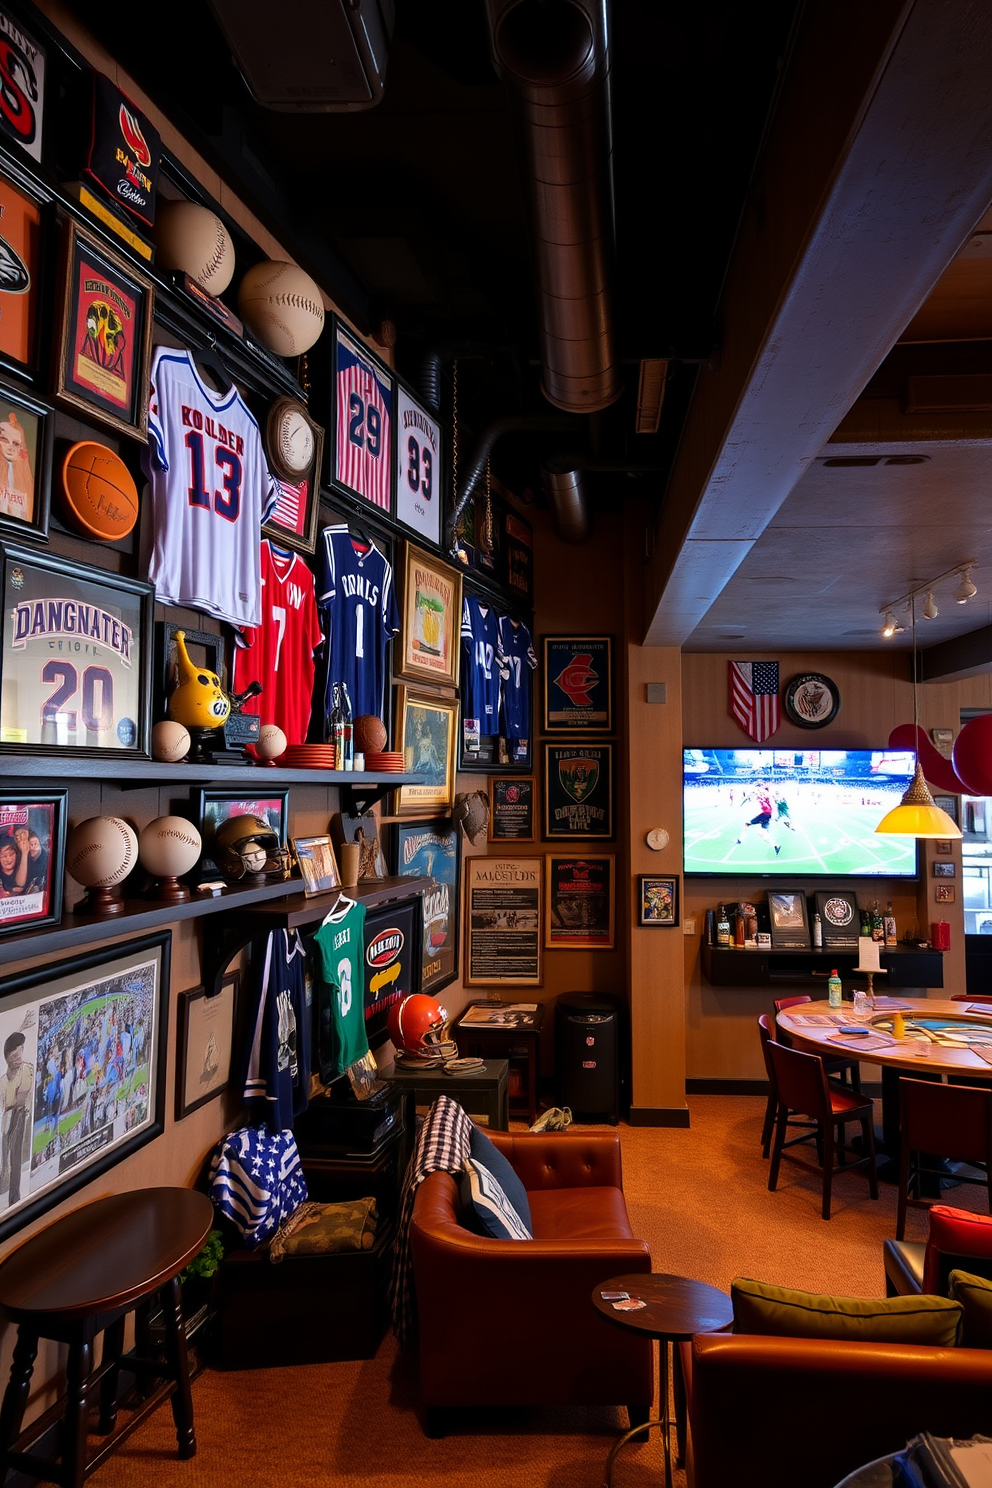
243, 845
417, 1026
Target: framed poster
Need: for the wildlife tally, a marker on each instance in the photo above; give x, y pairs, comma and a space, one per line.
24, 218
317, 864
579, 906
578, 790
787, 914
578, 684
392, 963
294, 446
512, 804
840, 920
943, 893
418, 468
26, 428
76, 660
431, 849
213, 807
105, 338
657, 901
206, 1039
503, 922
427, 728
518, 556
32, 858
361, 446
83, 1083
22, 97
429, 642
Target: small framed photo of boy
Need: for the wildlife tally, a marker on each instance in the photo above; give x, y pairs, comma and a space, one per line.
658, 901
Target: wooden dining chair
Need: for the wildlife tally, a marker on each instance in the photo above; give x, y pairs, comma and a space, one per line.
803, 1088
766, 1032
838, 1067
941, 1121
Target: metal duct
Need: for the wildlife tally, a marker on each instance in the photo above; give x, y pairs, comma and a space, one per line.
566, 493
430, 371
553, 56
474, 471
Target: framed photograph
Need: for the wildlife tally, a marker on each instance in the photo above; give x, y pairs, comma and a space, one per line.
578, 790
294, 446
206, 1039
950, 805
32, 856
105, 338
503, 918
945, 870
427, 727
212, 807
657, 901
578, 912
418, 468
429, 643
317, 863
22, 117
26, 428
943, 848
431, 849
578, 684
840, 919
788, 917
26, 230
362, 423
512, 805
75, 664
943, 738
83, 1083
943, 893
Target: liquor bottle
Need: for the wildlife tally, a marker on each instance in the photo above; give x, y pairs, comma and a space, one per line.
738, 923
890, 925
722, 925
349, 732
336, 728
877, 924
866, 922
834, 990
817, 931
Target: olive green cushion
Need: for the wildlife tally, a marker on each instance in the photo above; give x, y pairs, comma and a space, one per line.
784, 1313
975, 1295
326, 1229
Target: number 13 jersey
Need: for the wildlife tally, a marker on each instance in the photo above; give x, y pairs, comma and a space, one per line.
211, 492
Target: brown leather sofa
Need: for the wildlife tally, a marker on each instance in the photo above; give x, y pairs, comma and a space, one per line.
511, 1322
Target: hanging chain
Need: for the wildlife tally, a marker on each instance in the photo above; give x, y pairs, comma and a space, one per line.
487, 520
454, 434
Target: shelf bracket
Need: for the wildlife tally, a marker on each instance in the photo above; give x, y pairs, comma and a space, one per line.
361, 798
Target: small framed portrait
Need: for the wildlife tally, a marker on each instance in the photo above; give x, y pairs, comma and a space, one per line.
657, 901
950, 805
294, 445
26, 427
206, 1039
26, 234
362, 433
579, 902
214, 807
578, 684
512, 806
840, 920
943, 848
943, 893
428, 729
317, 863
32, 854
578, 790
429, 642
788, 916
945, 870
105, 336
418, 468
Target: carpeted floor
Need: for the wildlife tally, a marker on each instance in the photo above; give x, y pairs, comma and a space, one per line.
699, 1197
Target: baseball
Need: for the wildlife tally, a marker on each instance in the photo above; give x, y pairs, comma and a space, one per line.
170, 741
283, 307
169, 846
271, 742
101, 851
193, 239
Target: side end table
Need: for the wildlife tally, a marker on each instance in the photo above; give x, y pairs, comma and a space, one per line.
518, 1040
481, 1091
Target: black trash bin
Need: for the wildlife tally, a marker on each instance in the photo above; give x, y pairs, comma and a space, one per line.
587, 1054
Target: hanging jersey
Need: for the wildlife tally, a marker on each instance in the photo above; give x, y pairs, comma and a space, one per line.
211, 492
360, 617
339, 950
364, 405
277, 1078
519, 661
482, 662
279, 652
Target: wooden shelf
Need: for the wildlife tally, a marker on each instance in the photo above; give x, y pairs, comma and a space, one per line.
907, 966
296, 909
136, 772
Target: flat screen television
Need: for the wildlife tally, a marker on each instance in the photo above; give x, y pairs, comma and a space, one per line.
794, 813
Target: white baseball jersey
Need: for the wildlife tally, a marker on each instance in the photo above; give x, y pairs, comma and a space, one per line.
211, 492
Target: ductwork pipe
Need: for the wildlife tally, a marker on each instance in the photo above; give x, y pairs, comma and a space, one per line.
476, 467
566, 493
430, 371
553, 55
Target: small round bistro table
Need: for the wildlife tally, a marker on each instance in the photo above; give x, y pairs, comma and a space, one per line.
675, 1308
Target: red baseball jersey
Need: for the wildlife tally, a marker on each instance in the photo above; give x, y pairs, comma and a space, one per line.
279, 652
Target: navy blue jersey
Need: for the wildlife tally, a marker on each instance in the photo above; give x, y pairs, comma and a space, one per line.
360, 615
277, 1079
482, 664
518, 663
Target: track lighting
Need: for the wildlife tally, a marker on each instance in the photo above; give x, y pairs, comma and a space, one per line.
930, 610
966, 589
889, 628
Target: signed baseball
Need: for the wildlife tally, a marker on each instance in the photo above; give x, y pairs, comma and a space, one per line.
170, 741
271, 742
193, 239
282, 305
169, 846
101, 851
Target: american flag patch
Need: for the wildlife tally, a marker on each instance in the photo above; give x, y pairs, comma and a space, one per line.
754, 699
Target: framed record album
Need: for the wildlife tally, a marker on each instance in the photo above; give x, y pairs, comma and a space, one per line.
418, 468
362, 424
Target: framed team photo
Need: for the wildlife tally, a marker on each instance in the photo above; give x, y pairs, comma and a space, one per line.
363, 401
317, 864
418, 468
206, 1041
430, 849
578, 914
657, 902
211, 808
32, 856
75, 663
26, 428
578, 790
578, 684
105, 335
427, 726
289, 428
429, 644
503, 911
26, 230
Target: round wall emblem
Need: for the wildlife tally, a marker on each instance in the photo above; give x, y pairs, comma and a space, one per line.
812, 700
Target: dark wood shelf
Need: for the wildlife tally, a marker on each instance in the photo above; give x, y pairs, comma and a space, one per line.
809, 966
132, 772
296, 909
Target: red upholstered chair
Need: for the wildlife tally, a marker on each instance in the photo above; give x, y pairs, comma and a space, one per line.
942, 1121
838, 1066
958, 1241
766, 1032
803, 1087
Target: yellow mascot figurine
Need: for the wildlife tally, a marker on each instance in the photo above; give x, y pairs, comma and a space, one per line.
198, 701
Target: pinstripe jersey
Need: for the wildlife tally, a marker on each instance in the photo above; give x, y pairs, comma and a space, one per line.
364, 411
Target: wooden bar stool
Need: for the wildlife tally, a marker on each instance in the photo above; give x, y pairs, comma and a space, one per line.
79, 1277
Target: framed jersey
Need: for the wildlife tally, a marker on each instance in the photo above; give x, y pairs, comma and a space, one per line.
418, 468
363, 403
75, 662
26, 223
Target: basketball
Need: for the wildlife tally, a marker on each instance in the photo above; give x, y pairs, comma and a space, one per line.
271, 742
370, 734
169, 846
193, 239
100, 496
282, 305
170, 741
101, 851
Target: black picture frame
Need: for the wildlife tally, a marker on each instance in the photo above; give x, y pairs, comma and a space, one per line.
577, 673
350, 427
14, 401
205, 1042
512, 808
29, 80
578, 792
432, 849
788, 917
392, 940
945, 870
840, 918
213, 806
579, 902
63, 1009
657, 901
43, 813
28, 228
88, 672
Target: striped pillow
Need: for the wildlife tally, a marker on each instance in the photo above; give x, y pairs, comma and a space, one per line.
487, 1208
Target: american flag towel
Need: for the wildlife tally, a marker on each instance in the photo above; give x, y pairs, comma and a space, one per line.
754, 700
256, 1181
442, 1147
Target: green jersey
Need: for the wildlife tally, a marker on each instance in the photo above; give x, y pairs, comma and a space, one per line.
339, 956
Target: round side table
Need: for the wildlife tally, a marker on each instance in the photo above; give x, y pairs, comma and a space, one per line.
675, 1308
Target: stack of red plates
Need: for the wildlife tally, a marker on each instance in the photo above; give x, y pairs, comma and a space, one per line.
386, 762
308, 757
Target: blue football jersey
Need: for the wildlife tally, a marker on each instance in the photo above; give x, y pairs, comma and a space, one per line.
360, 615
277, 1073
482, 663
519, 661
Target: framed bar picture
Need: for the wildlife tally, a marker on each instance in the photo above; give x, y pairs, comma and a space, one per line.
943, 893
206, 1040
788, 917
429, 642
22, 117
213, 807
27, 222
512, 803
431, 849
317, 864
75, 664
579, 911
503, 916
578, 684
945, 870
362, 424
578, 790
427, 727
294, 446
418, 468
32, 858
26, 428
950, 805
657, 901
840, 921
83, 1084
105, 337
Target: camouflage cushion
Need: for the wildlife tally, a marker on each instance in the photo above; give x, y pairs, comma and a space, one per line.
326, 1229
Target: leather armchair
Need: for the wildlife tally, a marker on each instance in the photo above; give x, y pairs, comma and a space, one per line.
511, 1322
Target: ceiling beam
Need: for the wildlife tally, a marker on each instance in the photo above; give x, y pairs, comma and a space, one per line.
966, 656
878, 164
